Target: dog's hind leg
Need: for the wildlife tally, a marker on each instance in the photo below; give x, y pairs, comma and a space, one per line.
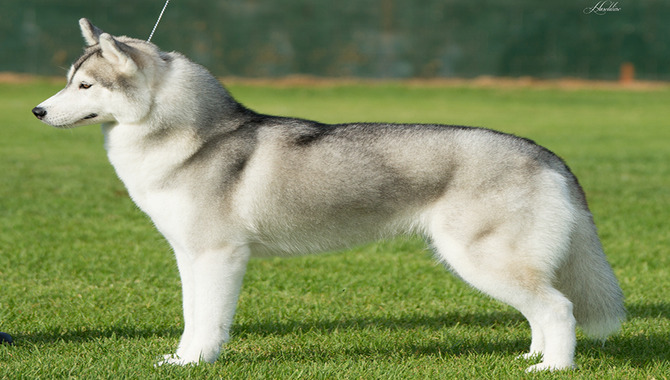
537, 341
216, 281
523, 281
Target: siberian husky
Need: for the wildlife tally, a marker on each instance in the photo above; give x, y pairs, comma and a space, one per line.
223, 183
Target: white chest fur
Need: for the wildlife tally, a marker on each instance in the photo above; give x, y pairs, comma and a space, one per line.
147, 164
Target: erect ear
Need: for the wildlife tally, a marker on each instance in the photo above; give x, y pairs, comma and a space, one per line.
90, 32
112, 51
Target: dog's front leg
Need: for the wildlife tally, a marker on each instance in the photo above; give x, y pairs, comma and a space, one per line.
185, 264
211, 288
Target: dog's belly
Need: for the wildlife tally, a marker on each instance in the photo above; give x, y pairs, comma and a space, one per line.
298, 235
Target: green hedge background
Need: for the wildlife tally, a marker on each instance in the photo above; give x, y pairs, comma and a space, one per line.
358, 38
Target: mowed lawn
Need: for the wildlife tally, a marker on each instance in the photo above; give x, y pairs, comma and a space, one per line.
89, 289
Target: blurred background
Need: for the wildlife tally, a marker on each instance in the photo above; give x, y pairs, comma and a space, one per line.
359, 38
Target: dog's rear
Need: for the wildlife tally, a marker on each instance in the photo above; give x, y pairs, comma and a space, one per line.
528, 240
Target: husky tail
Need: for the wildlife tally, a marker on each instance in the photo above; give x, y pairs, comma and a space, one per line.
586, 278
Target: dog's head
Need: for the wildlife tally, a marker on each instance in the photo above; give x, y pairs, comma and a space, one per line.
111, 82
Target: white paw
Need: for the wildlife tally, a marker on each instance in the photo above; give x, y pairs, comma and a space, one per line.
173, 359
530, 356
550, 367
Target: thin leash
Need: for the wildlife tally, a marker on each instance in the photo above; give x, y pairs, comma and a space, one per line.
159, 20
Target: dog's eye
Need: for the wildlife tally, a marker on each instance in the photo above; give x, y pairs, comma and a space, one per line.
85, 86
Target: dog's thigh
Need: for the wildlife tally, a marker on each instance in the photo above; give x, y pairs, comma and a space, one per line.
499, 266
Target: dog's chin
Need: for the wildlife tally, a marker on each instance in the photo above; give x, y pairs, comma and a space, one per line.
87, 120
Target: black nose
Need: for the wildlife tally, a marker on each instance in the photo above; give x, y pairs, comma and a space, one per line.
39, 112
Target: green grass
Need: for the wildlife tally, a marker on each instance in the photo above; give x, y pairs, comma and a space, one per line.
89, 289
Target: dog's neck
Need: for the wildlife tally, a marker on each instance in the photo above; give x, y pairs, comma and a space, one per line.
187, 100
189, 108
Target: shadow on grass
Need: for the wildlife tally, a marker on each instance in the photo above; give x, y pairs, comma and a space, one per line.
407, 321
442, 349
639, 349
85, 334
416, 321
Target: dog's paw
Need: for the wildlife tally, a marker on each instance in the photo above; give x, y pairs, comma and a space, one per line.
550, 367
530, 356
173, 359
